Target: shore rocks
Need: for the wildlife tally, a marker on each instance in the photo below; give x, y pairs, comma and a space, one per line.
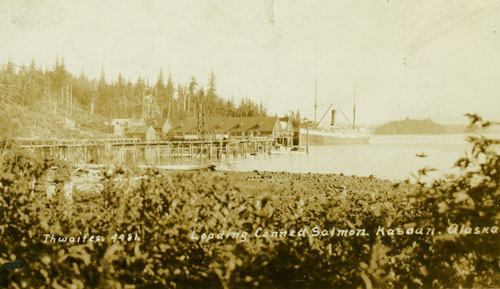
314, 183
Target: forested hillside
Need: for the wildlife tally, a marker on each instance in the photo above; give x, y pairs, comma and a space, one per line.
410, 126
56, 91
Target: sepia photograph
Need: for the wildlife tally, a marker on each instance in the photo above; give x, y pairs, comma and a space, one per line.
249, 144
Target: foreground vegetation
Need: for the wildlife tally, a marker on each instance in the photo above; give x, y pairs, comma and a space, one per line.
163, 216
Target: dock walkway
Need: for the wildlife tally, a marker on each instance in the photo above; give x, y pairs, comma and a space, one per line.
157, 152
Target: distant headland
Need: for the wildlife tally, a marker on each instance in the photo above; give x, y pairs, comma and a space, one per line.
421, 126
410, 126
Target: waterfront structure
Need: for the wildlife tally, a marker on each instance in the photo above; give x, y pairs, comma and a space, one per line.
160, 125
157, 152
143, 132
121, 125
287, 129
67, 123
230, 127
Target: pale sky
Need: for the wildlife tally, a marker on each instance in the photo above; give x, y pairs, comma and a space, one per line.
426, 58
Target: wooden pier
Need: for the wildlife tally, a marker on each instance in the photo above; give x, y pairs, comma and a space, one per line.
105, 151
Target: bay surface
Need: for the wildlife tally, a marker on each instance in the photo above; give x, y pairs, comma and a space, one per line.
390, 157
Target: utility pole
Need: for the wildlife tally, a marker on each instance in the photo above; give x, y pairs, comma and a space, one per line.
354, 110
71, 99
307, 141
66, 107
62, 98
315, 99
300, 126
94, 97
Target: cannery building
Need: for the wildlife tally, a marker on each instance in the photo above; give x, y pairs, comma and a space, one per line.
229, 127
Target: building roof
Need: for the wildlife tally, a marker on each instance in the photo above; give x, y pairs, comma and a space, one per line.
138, 129
129, 121
228, 124
157, 123
67, 121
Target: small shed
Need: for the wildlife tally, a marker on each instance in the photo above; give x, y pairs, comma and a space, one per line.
161, 125
120, 125
144, 132
67, 123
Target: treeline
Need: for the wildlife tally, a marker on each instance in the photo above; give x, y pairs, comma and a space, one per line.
410, 126
57, 90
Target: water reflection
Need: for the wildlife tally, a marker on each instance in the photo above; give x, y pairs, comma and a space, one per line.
389, 157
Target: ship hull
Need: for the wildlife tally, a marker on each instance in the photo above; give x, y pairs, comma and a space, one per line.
321, 138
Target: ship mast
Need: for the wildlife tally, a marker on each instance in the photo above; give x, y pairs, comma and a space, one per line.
315, 99
354, 110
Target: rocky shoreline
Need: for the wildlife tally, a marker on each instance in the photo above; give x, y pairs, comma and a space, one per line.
257, 182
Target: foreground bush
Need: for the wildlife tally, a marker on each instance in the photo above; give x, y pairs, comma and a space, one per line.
149, 230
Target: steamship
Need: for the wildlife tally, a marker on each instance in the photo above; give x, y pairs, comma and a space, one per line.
334, 134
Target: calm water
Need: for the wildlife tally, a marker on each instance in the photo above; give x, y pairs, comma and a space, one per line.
389, 156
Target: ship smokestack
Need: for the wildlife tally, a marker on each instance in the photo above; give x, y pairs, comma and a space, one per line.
332, 123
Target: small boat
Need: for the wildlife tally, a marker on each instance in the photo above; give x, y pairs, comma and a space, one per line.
279, 151
209, 167
297, 150
421, 155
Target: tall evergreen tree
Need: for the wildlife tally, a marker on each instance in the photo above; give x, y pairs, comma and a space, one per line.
54, 87
191, 95
169, 91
